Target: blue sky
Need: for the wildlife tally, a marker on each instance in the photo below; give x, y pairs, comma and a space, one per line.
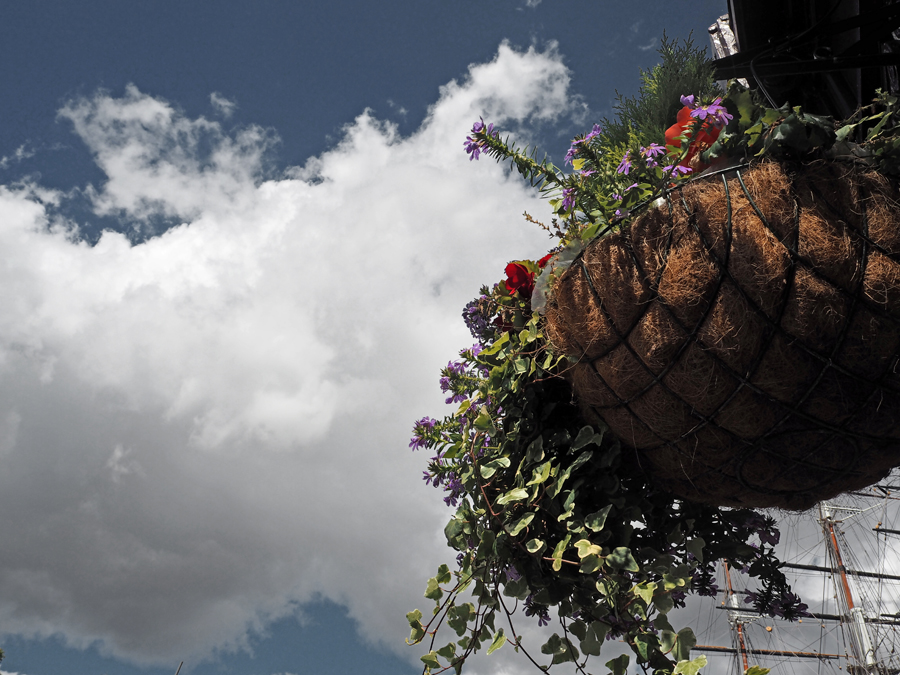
238, 237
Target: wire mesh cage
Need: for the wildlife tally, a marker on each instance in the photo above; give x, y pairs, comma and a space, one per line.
743, 337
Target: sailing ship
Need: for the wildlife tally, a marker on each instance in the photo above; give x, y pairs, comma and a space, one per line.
843, 559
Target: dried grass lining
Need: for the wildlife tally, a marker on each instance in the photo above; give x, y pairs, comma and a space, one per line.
744, 338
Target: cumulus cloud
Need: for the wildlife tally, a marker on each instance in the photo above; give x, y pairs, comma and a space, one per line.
204, 430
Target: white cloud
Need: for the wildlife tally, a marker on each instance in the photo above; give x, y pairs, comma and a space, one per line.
223, 106
647, 47
21, 153
202, 430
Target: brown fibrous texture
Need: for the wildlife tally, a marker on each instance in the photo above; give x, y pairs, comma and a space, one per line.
742, 338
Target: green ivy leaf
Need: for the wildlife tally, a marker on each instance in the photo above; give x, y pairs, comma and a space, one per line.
644, 644
515, 495
590, 645
558, 553
684, 643
579, 629
463, 407
644, 590
458, 618
490, 468
517, 588
586, 548
541, 474
498, 641
535, 546
568, 506
585, 436
689, 667
485, 422
622, 559
433, 590
756, 670
535, 451
618, 665
695, 546
417, 631
431, 660
443, 575
595, 521
448, 651
499, 343
664, 602
591, 564
521, 524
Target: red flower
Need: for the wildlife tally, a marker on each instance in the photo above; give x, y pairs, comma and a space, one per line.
705, 138
519, 278
543, 261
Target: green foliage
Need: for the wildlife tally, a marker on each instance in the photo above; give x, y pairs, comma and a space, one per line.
550, 517
644, 118
756, 670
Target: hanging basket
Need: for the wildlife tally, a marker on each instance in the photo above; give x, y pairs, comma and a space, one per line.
743, 338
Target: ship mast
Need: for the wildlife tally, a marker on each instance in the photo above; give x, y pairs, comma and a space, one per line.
860, 639
735, 618
857, 627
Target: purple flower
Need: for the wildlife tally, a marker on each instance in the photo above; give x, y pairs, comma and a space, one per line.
573, 149
788, 606
649, 153
677, 169
540, 611
594, 132
568, 199
454, 487
688, 101
704, 582
587, 172
473, 148
770, 536
477, 316
474, 145
421, 431
456, 367
625, 165
715, 111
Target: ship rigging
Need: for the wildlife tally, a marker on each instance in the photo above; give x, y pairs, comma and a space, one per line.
843, 558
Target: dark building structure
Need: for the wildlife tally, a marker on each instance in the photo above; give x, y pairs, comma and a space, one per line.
827, 55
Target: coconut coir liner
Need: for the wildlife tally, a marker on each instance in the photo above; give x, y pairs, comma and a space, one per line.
742, 339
